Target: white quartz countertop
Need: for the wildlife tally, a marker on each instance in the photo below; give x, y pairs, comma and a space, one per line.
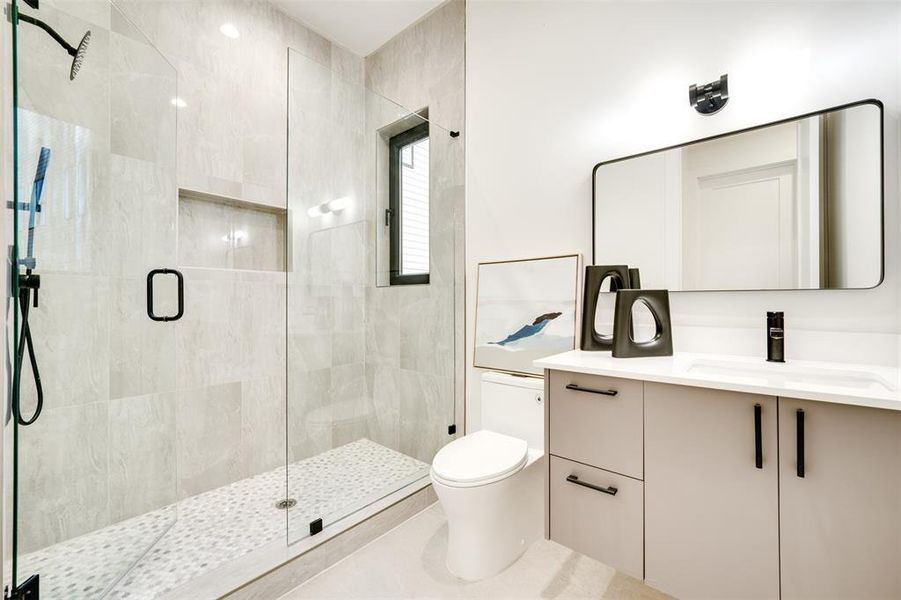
859, 385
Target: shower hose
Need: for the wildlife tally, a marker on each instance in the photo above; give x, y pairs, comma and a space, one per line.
26, 284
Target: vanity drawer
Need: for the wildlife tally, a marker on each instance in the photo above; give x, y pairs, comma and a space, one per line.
606, 526
597, 421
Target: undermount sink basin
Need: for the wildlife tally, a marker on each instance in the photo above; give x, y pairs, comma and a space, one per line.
789, 375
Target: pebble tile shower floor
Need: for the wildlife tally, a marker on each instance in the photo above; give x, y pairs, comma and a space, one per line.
218, 526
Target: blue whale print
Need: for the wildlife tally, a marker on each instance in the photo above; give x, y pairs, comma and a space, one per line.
529, 330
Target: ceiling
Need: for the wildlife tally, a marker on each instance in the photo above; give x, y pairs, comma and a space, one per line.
361, 26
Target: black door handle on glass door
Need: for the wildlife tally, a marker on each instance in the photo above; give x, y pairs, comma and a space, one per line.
181, 294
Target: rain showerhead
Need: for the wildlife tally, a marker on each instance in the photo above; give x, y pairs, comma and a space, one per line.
78, 57
77, 54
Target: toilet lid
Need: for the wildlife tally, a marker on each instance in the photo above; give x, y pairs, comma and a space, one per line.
479, 456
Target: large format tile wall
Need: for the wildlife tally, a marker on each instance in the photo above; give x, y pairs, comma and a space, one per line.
327, 400
232, 141
103, 448
139, 414
414, 360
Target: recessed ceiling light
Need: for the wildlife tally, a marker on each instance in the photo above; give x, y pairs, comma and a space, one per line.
230, 31
178, 102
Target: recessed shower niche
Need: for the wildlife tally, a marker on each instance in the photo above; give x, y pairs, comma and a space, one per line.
227, 233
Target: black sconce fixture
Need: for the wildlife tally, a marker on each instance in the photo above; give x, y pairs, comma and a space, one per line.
710, 97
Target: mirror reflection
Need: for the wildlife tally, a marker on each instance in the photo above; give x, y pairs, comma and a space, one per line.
793, 205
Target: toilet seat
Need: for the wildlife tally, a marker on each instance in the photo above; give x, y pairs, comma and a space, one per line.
479, 458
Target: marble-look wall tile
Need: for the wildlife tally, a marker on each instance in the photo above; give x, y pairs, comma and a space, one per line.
309, 413
70, 329
224, 236
209, 130
424, 66
214, 335
268, 333
383, 339
142, 454
142, 357
383, 385
64, 482
237, 147
136, 219
426, 409
208, 438
263, 423
142, 85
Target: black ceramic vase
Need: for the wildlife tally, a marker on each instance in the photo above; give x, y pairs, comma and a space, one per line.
624, 344
594, 278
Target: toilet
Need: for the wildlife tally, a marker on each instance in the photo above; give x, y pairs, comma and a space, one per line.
490, 482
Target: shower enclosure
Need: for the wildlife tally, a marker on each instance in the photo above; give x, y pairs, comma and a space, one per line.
219, 377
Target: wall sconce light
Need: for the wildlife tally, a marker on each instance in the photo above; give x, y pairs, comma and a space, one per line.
709, 98
332, 206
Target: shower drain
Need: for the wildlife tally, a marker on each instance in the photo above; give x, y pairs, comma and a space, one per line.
286, 504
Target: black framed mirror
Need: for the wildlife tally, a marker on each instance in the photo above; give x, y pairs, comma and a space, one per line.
793, 204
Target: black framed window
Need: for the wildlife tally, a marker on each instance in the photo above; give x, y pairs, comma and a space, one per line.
408, 206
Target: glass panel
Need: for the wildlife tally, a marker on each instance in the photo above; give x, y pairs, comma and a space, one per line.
96, 470
371, 374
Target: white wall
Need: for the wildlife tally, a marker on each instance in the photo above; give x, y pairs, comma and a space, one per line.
555, 87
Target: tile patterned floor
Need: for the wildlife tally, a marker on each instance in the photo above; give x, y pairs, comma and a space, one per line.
218, 526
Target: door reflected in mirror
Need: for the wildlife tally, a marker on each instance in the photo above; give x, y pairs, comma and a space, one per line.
792, 205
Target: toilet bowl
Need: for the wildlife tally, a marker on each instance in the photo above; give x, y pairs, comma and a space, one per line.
490, 482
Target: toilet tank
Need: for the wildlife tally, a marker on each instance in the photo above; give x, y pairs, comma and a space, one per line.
514, 406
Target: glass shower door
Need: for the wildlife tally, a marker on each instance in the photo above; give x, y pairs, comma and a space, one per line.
91, 442
371, 369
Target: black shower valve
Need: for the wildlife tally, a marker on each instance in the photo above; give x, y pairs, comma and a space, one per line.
31, 281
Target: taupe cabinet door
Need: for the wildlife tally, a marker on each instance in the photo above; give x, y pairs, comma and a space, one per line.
711, 516
841, 521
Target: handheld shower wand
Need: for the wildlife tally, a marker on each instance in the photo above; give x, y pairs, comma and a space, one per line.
29, 281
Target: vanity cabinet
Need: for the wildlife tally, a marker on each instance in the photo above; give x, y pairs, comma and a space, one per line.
598, 513
840, 501
710, 494
595, 438
711, 510
597, 421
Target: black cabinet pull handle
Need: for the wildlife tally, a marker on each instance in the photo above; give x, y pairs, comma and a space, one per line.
578, 388
799, 415
607, 490
758, 437
181, 294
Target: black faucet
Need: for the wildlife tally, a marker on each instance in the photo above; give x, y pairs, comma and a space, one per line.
775, 336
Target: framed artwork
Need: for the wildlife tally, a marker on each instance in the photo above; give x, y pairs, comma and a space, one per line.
525, 310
